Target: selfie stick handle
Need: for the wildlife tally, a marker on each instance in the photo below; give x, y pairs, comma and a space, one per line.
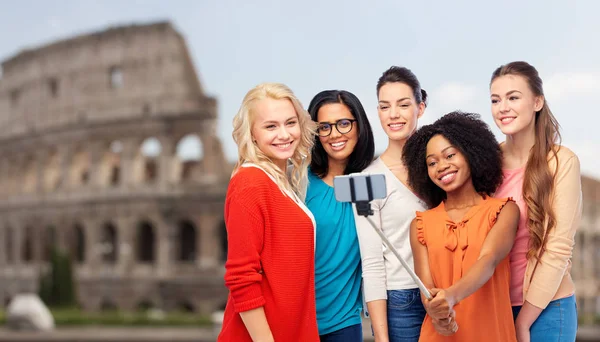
406, 267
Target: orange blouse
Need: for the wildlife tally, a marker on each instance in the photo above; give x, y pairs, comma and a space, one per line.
452, 249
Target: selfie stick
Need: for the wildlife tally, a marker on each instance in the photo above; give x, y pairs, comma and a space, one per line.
363, 208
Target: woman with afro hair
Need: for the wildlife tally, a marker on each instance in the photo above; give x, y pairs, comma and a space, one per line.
461, 245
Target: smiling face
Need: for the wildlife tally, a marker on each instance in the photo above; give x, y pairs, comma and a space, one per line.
275, 129
447, 167
338, 146
398, 110
514, 104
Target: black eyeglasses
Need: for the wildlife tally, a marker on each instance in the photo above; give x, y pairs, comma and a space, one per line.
343, 126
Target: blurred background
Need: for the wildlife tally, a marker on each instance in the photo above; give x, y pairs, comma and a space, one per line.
116, 148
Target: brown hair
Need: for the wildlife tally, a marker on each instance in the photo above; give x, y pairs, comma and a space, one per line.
538, 182
396, 74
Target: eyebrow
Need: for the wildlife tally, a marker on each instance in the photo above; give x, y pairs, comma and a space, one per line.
336, 121
509, 93
275, 122
402, 99
431, 155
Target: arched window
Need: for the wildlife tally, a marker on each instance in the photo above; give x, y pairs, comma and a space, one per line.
77, 243
190, 152
52, 171
27, 245
8, 243
145, 243
113, 160
187, 241
80, 167
150, 149
108, 247
49, 242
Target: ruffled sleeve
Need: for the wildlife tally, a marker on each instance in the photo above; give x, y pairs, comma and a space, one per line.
420, 229
498, 204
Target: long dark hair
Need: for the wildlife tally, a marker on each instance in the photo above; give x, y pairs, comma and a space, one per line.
538, 182
364, 150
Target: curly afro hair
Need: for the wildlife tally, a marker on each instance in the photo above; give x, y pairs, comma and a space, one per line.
468, 133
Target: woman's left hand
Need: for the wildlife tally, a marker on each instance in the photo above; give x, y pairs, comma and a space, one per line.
523, 334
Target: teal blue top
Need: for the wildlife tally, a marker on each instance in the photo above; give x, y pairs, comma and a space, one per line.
337, 259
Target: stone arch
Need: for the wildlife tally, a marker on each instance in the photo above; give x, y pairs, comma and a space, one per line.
27, 249
7, 300
6, 181
77, 243
109, 243
30, 175
49, 242
187, 241
148, 159
190, 153
146, 242
80, 167
8, 243
110, 166
52, 171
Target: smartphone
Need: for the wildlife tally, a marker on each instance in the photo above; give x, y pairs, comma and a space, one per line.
359, 187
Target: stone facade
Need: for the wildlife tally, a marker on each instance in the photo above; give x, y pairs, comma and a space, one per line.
143, 230
586, 255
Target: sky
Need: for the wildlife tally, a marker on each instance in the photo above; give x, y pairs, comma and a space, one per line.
452, 46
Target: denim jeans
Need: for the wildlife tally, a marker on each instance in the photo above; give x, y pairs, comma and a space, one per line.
352, 333
405, 315
556, 323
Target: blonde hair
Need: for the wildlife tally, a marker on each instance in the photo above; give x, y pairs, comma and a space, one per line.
293, 179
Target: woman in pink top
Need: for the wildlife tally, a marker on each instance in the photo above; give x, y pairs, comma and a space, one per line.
543, 177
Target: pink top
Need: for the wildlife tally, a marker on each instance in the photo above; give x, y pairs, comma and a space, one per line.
512, 186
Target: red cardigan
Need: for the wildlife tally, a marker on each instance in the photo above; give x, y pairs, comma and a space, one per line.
270, 259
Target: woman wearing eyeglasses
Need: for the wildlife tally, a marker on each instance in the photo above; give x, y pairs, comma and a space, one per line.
392, 297
344, 145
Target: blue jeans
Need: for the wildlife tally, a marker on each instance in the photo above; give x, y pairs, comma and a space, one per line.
352, 333
405, 315
556, 323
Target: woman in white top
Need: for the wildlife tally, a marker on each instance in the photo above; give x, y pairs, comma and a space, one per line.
392, 297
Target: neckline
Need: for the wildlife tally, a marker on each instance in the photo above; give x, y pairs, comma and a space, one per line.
314, 175
519, 169
393, 176
287, 192
470, 213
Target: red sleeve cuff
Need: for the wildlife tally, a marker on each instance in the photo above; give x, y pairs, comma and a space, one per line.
249, 304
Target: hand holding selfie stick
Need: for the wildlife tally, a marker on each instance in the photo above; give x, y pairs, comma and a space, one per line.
363, 208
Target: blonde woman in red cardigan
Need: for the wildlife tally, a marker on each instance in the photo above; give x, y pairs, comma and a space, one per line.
271, 234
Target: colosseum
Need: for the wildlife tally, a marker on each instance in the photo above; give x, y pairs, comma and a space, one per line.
91, 130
